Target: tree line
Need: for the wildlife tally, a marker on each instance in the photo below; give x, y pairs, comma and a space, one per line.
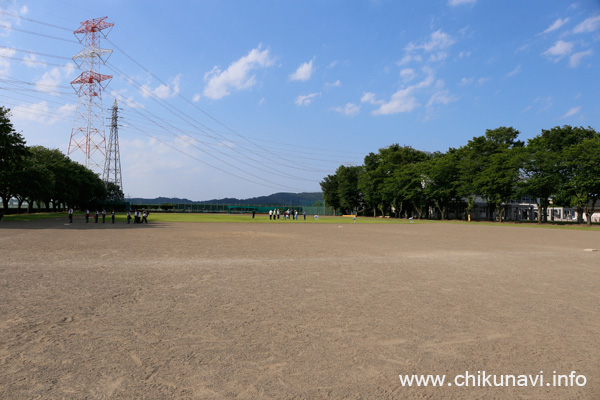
560, 166
37, 175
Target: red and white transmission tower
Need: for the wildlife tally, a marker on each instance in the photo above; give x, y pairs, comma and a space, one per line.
87, 134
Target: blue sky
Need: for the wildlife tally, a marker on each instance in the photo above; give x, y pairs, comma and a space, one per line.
248, 98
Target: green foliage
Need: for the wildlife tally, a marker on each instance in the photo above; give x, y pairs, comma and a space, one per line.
562, 163
552, 164
347, 188
12, 151
329, 186
41, 175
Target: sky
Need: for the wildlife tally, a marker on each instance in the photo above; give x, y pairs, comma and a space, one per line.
248, 98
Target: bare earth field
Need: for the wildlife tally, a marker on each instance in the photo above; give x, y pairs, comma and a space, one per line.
294, 311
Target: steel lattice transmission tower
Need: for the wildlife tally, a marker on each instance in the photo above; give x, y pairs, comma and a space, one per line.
112, 167
87, 134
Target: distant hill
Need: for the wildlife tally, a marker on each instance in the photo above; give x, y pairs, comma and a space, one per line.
303, 199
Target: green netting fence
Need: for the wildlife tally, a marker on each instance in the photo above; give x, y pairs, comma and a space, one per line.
233, 208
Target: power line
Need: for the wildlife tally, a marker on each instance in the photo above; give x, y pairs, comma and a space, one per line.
270, 157
36, 53
12, 28
33, 20
158, 79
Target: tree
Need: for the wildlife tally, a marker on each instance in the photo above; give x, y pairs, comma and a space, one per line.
12, 151
370, 183
114, 192
583, 174
87, 189
347, 187
440, 180
33, 181
329, 186
545, 169
467, 166
495, 163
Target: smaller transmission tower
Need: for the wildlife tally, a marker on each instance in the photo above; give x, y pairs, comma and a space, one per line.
88, 127
112, 166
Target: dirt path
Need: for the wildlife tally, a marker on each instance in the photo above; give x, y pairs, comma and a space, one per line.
307, 311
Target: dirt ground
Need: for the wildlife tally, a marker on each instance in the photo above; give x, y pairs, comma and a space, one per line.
294, 311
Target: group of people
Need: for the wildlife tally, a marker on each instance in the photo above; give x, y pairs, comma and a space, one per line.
287, 214
139, 217
96, 216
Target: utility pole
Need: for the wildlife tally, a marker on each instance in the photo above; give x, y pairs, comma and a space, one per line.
112, 166
87, 134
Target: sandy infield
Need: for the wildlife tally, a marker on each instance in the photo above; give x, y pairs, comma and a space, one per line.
293, 311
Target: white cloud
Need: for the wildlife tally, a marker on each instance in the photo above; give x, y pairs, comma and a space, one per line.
571, 112
467, 81
162, 91
51, 80
306, 100
408, 58
37, 112
408, 74
348, 110
575, 59
31, 61
304, 72
41, 113
4, 62
438, 40
196, 97
439, 56
337, 83
401, 101
128, 101
541, 103
589, 25
7, 26
441, 97
514, 72
238, 75
369, 97
436, 45
556, 25
404, 100
24, 10
559, 50
460, 2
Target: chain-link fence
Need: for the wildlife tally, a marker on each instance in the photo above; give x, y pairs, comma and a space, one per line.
233, 208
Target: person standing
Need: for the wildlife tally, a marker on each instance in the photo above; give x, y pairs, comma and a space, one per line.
87, 216
128, 216
145, 217
295, 215
96, 217
278, 213
112, 215
270, 214
253, 213
103, 215
304, 214
70, 215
